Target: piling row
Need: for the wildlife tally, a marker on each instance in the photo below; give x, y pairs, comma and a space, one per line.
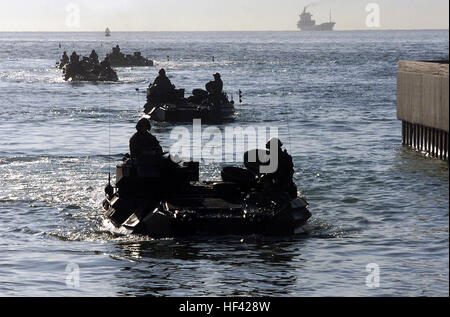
423, 106
432, 141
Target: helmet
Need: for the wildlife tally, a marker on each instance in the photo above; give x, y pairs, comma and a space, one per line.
280, 144
216, 75
143, 124
162, 71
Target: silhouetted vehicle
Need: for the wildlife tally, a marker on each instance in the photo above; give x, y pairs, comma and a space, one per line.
211, 105
173, 202
88, 69
118, 59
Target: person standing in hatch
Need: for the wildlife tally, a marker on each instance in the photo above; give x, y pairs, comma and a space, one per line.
284, 174
163, 87
218, 84
64, 59
144, 146
94, 57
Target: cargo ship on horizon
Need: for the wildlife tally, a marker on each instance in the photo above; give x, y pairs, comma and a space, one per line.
306, 23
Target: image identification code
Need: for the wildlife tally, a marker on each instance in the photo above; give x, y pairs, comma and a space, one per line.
225, 307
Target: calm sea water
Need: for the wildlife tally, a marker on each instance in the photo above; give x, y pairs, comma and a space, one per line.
332, 97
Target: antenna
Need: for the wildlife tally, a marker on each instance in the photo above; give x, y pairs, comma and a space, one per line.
289, 133
139, 102
289, 129
109, 129
109, 190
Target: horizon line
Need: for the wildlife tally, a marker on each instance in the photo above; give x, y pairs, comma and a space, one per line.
223, 31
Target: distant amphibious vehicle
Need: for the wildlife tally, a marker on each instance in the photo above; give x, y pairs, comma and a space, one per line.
169, 105
118, 59
175, 203
86, 68
185, 110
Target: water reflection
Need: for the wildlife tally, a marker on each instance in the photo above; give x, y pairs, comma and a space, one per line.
200, 266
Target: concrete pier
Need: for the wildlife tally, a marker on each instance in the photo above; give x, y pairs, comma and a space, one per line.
423, 106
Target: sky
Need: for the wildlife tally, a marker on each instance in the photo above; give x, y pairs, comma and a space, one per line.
217, 15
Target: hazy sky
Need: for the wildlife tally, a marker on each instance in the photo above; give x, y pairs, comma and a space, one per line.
213, 15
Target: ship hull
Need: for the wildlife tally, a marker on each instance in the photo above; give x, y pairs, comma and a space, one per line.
320, 27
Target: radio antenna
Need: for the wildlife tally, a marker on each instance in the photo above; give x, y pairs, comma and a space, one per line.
289, 132
109, 128
139, 102
109, 190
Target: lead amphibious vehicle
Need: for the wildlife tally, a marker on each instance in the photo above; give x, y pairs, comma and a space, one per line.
173, 202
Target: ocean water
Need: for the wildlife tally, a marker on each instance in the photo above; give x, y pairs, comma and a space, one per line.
332, 97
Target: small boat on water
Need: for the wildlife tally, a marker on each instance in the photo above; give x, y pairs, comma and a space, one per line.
176, 203
107, 32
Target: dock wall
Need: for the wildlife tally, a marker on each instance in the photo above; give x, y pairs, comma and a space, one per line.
423, 106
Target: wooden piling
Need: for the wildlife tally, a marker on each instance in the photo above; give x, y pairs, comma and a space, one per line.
433, 142
445, 146
419, 146
438, 144
422, 129
430, 140
410, 134
403, 132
